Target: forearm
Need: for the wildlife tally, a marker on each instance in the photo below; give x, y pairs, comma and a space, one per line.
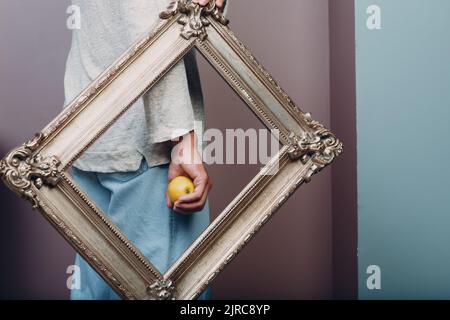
184, 150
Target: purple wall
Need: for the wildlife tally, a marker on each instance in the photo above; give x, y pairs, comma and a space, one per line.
343, 123
296, 262
35, 43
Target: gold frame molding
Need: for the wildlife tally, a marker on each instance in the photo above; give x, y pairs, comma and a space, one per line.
37, 170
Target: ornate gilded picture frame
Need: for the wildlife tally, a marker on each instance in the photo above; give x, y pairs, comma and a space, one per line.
37, 170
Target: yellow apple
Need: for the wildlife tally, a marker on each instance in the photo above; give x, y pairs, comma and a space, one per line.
178, 187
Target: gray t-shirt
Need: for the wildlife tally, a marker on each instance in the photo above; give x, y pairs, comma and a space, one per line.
108, 28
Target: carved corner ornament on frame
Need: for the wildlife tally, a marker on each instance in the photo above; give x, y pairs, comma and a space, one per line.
37, 170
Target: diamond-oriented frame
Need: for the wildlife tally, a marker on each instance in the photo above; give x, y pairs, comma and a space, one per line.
37, 170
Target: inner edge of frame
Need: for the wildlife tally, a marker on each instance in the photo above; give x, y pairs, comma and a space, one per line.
228, 74
126, 108
83, 99
107, 272
261, 73
230, 213
258, 222
110, 226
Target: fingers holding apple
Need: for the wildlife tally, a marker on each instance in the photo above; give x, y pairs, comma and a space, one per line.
187, 196
195, 201
179, 187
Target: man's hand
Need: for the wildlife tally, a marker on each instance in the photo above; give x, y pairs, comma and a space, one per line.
186, 161
219, 3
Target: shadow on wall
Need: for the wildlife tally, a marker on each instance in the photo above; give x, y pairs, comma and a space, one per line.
35, 43
28, 266
293, 252
13, 259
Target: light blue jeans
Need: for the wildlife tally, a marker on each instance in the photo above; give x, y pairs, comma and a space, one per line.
135, 201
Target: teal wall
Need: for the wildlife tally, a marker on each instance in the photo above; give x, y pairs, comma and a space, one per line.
403, 123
